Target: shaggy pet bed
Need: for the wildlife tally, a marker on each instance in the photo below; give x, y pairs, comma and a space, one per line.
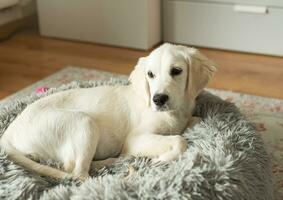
225, 159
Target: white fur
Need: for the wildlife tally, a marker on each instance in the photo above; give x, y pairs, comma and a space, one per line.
76, 126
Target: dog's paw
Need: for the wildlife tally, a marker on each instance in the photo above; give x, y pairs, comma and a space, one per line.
83, 178
177, 146
80, 177
131, 172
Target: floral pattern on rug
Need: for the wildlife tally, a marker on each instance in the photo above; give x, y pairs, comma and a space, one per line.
265, 113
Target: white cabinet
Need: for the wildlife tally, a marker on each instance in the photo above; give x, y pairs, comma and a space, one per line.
241, 25
128, 23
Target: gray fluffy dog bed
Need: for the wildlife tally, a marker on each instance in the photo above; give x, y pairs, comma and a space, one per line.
225, 159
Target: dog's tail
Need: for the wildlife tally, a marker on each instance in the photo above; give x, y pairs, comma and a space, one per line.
19, 158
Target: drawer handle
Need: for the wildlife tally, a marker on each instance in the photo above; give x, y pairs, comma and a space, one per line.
250, 9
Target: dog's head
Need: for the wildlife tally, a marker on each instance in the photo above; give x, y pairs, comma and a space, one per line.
170, 75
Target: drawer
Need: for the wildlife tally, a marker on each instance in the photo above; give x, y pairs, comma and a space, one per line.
270, 3
218, 25
108, 22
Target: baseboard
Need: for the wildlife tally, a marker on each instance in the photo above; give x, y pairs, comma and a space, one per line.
13, 13
7, 29
9, 14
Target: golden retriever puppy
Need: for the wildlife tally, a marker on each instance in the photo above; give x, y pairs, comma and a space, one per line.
144, 118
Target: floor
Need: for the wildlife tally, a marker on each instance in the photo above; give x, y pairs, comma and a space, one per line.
28, 57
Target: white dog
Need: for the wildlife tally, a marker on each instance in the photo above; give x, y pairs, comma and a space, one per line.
144, 118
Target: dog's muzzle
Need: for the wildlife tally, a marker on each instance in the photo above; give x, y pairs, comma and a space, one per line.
160, 99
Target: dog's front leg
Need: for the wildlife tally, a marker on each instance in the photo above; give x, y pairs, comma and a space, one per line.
99, 164
159, 147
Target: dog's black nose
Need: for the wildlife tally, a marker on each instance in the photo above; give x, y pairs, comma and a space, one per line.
160, 99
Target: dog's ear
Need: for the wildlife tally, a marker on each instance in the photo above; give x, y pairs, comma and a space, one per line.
139, 81
200, 71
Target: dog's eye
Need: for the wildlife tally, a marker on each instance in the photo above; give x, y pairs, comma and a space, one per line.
150, 74
175, 71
